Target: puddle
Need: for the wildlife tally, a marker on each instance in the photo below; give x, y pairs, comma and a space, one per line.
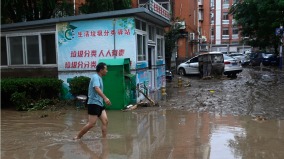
160, 134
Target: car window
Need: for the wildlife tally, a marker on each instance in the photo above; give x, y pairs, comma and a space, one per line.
228, 57
237, 55
195, 59
267, 55
217, 58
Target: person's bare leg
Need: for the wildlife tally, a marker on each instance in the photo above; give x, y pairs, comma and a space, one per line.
88, 126
104, 121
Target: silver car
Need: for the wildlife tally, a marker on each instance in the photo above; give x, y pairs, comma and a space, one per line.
241, 57
231, 66
191, 66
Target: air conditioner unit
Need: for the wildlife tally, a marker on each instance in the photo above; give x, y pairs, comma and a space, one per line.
204, 39
180, 25
191, 36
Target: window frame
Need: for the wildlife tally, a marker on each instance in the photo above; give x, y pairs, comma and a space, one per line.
161, 54
25, 52
144, 44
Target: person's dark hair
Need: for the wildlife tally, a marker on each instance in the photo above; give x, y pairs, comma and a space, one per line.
100, 66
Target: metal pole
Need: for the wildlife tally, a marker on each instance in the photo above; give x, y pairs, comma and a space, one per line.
280, 50
243, 47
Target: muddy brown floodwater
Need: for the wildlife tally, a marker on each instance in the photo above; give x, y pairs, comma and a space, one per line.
212, 119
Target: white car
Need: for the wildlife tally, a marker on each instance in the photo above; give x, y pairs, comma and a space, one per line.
231, 66
191, 66
241, 57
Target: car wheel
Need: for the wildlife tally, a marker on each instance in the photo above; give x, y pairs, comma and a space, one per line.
181, 71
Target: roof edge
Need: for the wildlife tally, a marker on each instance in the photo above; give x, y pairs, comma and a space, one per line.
117, 13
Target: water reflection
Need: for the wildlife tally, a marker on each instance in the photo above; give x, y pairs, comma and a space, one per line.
159, 134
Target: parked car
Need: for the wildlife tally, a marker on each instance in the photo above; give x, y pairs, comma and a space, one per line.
265, 58
231, 66
245, 59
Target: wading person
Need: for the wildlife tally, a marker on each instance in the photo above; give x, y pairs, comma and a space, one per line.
95, 103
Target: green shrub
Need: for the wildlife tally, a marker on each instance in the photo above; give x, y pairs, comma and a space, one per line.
24, 103
20, 100
31, 88
79, 85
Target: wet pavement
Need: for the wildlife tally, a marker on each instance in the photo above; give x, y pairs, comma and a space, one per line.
211, 119
256, 91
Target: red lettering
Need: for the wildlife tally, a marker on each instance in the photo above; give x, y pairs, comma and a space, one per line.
80, 34
73, 54
94, 53
86, 34
108, 53
106, 33
87, 53
87, 64
73, 64
112, 32
114, 52
93, 33
93, 64
127, 32
120, 32
67, 65
100, 33
101, 53
80, 64
80, 53
121, 52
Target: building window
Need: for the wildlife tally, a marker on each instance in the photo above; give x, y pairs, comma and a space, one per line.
225, 33
151, 33
48, 49
225, 3
31, 50
140, 25
141, 47
160, 48
4, 60
225, 18
235, 31
200, 15
235, 34
160, 31
16, 50
212, 3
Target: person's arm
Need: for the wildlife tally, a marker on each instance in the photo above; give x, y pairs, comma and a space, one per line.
100, 93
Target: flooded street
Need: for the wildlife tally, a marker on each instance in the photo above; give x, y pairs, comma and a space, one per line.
211, 119
150, 135
256, 91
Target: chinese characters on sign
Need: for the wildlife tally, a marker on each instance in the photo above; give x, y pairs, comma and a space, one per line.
81, 44
92, 54
94, 33
158, 9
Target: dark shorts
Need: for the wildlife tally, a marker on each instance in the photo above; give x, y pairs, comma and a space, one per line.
94, 109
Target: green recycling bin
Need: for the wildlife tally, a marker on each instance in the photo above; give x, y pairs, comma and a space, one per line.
119, 83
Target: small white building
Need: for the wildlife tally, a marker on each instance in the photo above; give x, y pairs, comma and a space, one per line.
71, 46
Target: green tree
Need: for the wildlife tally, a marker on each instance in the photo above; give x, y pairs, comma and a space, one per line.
95, 6
171, 37
13, 11
258, 21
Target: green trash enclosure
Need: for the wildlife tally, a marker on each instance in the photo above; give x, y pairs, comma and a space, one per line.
119, 83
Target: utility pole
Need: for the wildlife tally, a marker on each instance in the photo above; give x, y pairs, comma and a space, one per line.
281, 47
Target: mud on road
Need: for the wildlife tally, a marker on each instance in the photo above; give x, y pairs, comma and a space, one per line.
256, 91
